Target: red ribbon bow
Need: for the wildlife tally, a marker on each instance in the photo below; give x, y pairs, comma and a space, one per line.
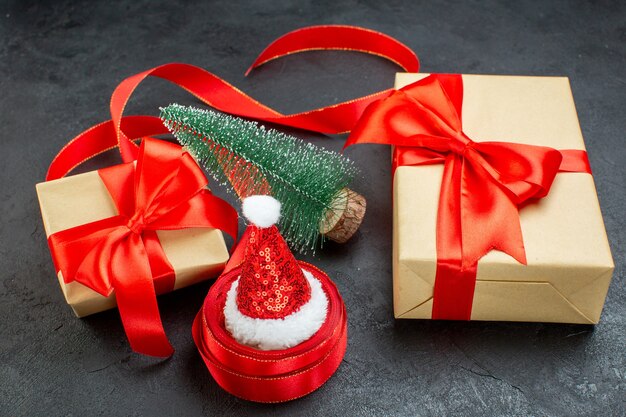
165, 191
483, 185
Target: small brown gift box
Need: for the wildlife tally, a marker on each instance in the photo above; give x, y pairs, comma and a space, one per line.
195, 254
569, 261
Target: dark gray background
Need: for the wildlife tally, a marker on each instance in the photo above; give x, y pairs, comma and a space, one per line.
59, 62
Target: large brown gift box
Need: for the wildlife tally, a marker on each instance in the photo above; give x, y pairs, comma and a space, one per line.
195, 254
569, 261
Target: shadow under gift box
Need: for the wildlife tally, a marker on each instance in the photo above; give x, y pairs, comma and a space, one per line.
569, 260
196, 254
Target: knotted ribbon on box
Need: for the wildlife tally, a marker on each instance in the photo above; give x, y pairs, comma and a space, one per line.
122, 253
482, 188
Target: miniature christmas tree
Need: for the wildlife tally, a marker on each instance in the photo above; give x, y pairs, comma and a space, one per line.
311, 182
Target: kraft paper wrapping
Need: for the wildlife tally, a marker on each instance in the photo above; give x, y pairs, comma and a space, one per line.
569, 260
195, 254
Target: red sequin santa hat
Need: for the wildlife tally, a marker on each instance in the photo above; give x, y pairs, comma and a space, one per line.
271, 328
274, 304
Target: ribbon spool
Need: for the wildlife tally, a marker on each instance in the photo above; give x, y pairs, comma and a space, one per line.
270, 376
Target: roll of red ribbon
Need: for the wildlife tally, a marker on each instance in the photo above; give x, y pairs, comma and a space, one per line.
270, 375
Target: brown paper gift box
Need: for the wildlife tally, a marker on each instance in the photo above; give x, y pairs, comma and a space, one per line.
569, 260
195, 254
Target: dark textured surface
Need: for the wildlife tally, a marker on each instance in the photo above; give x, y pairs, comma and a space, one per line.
58, 65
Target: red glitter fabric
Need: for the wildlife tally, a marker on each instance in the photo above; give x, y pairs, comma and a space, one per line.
272, 284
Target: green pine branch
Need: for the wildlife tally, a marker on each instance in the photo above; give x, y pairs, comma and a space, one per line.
253, 160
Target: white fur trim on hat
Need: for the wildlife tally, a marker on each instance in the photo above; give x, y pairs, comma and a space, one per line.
261, 210
275, 334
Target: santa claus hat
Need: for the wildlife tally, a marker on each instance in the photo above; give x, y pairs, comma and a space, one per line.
274, 304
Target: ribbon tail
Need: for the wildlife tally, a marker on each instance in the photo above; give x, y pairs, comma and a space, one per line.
453, 293
136, 299
489, 217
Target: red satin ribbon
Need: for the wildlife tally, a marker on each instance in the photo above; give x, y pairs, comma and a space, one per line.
270, 376
126, 239
483, 185
166, 191
121, 131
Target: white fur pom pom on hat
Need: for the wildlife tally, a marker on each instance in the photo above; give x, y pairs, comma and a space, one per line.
261, 210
